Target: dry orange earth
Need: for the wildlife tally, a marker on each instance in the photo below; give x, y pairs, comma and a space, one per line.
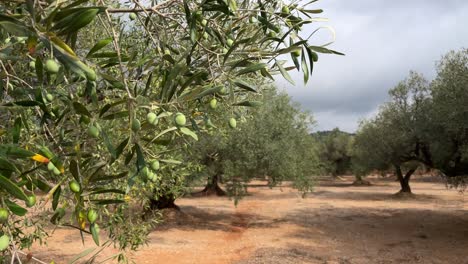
337, 223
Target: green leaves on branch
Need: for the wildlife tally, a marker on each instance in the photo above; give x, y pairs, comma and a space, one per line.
71, 20
252, 68
284, 72
12, 188
15, 208
101, 44
244, 85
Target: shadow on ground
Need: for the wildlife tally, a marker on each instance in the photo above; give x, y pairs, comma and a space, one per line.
371, 235
371, 196
194, 218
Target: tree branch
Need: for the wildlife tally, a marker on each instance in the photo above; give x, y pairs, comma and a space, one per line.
162, 5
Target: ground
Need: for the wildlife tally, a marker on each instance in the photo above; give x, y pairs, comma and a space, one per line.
337, 223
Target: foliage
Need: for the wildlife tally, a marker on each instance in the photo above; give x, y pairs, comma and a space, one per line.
81, 84
393, 138
272, 142
335, 148
449, 124
424, 123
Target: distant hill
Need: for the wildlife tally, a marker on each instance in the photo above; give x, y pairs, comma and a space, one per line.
326, 133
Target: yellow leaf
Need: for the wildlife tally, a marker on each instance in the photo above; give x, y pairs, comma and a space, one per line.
63, 45
40, 158
197, 114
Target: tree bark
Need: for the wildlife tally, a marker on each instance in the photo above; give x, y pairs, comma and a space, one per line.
213, 188
360, 181
404, 180
358, 177
163, 202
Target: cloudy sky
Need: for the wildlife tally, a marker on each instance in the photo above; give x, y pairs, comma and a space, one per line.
383, 40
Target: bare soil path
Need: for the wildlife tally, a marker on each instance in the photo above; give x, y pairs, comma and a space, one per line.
338, 223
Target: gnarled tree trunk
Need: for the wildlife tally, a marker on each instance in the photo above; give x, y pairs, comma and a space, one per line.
360, 181
163, 202
213, 188
404, 180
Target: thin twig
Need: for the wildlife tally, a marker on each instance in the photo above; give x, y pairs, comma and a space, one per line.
117, 49
72, 226
154, 9
33, 258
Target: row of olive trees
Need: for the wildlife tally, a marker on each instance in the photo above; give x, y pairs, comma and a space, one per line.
272, 142
99, 108
423, 123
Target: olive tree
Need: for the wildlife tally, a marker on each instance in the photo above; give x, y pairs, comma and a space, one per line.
393, 139
271, 141
448, 126
99, 99
423, 124
335, 151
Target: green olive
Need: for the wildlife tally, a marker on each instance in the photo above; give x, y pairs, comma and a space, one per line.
50, 166
223, 91
296, 53
84, 119
155, 165
180, 119
4, 242
49, 97
213, 103
51, 66
152, 118
92, 216
136, 125
152, 176
3, 215
93, 131
198, 15
31, 201
56, 171
315, 56
232, 122
74, 186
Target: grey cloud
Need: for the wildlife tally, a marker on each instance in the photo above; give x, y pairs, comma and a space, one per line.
383, 41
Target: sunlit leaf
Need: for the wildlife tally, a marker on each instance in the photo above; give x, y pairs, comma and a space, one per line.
188, 132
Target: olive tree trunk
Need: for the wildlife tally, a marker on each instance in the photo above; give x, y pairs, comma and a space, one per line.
360, 181
404, 180
163, 202
212, 187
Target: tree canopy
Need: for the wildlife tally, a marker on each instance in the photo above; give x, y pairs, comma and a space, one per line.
273, 142
423, 123
335, 148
